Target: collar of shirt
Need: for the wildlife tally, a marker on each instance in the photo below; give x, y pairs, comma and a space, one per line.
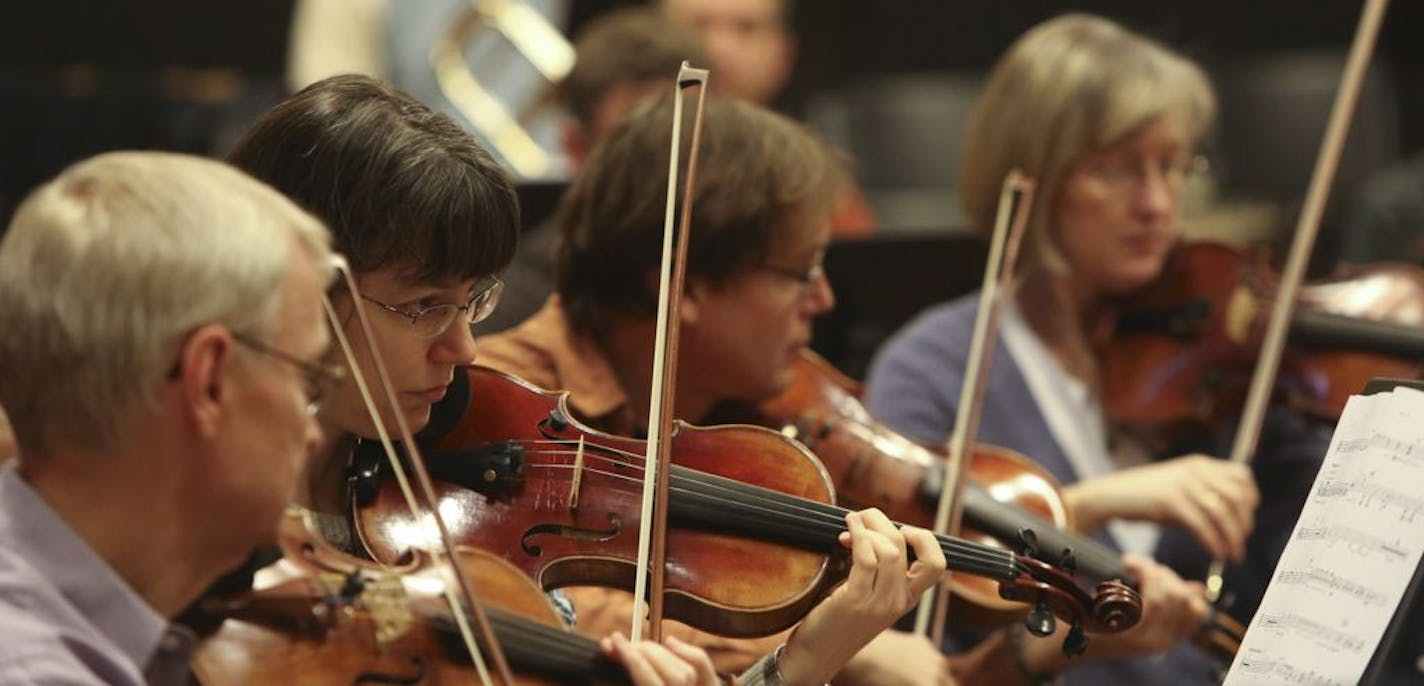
578, 364
35, 533
1074, 415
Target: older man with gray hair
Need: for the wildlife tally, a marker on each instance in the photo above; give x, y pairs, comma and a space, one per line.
162, 349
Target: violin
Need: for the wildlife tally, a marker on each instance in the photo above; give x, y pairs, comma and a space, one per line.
1009, 500
752, 539
319, 616
874, 466
1183, 348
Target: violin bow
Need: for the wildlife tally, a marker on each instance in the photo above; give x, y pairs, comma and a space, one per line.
1248, 434
652, 536
466, 595
1015, 200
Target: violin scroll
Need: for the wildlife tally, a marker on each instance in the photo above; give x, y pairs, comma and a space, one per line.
1111, 608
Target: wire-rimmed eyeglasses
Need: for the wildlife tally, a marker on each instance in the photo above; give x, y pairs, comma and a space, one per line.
432, 321
317, 378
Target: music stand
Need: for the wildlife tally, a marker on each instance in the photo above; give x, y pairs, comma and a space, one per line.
883, 281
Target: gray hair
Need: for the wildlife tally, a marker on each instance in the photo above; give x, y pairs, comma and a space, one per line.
1070, 86
105, 270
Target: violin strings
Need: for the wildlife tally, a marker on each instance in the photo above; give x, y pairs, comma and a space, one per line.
803, 517
634, 462
825, 520
538, 643
812, 512
818, 511
767, 504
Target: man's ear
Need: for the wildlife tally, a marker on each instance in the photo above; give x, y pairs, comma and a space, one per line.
694, 293
205, 368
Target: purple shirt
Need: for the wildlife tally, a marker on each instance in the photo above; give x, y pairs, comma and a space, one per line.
66, 617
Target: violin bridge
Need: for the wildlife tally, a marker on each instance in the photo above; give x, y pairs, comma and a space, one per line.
381, 598
578, 476
389, 608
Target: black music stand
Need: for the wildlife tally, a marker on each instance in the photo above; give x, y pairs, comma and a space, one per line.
1399, 658
883, 281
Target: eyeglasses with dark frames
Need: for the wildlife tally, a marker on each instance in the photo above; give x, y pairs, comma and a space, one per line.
318, 378
432, 321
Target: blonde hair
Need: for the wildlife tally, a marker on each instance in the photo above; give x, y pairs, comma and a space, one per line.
106, 268
1070, 86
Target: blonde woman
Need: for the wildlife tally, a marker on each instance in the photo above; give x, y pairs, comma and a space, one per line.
1108, 122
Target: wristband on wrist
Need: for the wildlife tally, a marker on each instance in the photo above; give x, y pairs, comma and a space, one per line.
776, 663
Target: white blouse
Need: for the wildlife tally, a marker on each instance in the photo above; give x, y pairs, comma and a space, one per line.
1075, 417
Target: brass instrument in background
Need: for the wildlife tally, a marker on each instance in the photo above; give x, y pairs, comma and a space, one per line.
536, 40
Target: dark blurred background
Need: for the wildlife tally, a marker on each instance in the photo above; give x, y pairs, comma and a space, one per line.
80, 76
890, 81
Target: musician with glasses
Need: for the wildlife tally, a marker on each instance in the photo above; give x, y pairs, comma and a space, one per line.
163, 354
759, 231
427, 218
425, 223
761, 221
1106, 122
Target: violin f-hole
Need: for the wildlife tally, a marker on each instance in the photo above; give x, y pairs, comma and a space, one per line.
566, 531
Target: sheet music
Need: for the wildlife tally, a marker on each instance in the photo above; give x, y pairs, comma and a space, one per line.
1351, 555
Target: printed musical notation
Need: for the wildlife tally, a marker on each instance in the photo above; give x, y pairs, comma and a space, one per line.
1280, 671
1353, 551
1324, 636
1333, 583
1368, 491
1354, 541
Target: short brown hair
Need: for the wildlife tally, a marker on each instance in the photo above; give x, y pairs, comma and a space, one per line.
626, 46
399, 184
757, 173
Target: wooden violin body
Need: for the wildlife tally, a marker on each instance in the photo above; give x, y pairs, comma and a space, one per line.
875, 466
753, 538
567, 518
1010, 501
1185, 346
321, 617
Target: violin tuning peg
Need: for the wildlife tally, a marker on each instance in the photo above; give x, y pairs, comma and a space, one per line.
1039, 621
1027, 542
556, 421
1068, 562
1076, 641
